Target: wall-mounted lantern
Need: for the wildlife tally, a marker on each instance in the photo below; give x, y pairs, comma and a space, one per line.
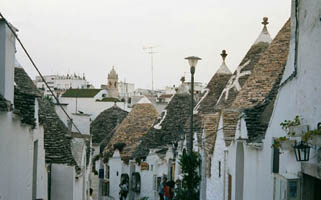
302, 151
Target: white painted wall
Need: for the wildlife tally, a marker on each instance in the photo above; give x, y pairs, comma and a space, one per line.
16, 151
115, 166
215, 184
62, 182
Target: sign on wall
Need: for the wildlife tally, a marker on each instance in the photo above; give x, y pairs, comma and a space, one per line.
144, 166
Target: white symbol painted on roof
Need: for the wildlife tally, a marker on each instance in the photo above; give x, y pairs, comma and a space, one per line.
234, 81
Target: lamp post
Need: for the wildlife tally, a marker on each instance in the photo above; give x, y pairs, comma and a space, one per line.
192, 60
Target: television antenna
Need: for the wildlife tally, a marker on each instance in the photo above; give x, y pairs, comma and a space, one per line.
151, 52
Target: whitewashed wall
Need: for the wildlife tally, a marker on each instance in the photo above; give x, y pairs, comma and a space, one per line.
16, 151
62, 182
215, 184
115, 166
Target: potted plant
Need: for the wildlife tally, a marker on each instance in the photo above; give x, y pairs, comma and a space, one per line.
283, 143
313, 137
294, 128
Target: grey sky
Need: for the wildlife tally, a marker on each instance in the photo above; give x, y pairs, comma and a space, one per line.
91, 36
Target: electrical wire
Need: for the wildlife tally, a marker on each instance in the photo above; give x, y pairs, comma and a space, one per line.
34, 65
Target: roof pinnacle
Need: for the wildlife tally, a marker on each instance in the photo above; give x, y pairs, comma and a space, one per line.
224, 54
223, 69
265, 21
182, 79
265, 35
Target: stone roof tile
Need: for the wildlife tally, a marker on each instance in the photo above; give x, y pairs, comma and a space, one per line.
167, 129
25, 93
105, 122
259, 93
131, 130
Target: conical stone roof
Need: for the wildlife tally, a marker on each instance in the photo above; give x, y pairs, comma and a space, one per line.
105, 122
241, 74
214, 88
168, 127
257, 97
129, 133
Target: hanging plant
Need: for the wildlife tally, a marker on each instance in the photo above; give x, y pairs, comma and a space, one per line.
288, 124
277, 141
314, 136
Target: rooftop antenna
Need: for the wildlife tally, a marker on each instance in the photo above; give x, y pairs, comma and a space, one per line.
150, 50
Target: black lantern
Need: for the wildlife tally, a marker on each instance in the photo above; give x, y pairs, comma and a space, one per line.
302, 151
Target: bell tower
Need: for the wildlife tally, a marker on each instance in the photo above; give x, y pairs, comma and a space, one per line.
112, 83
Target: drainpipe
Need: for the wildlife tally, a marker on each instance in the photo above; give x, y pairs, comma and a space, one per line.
224, 187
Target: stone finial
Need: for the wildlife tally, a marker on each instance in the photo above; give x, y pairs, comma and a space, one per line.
265, 35
224, 54
265, 21
182, 79
223, 69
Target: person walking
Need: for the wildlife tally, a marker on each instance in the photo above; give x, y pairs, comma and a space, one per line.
123, 190
90, 194
168, 191
161, 189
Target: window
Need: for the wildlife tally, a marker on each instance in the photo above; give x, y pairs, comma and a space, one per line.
276, 160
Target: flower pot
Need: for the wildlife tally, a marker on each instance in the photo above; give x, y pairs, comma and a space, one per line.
297, 131
316, 140
287, 145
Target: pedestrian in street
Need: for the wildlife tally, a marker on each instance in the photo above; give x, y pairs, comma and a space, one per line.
161, 189
171, 185
123, 190
90, 194
167, 191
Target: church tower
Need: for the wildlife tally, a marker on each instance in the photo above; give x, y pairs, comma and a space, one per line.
112, 83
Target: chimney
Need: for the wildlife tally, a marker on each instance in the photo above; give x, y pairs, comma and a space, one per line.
7, 61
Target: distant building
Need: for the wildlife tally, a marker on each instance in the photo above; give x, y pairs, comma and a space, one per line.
118, 89
112, 85
125, 90
61, 83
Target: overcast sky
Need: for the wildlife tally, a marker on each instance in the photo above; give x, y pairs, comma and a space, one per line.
78, 36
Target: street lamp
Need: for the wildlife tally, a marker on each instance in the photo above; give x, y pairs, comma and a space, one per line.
192, 60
